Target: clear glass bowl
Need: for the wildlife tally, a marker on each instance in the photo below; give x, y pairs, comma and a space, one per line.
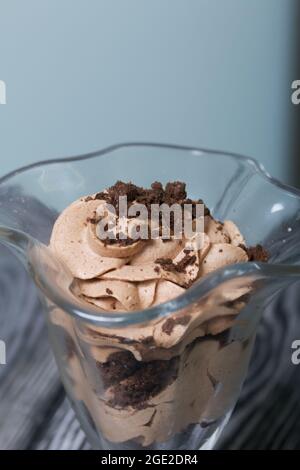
128, 391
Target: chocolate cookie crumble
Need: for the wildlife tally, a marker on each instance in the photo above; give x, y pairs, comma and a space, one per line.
170, 323
132, 381
257, 253
168, 265
173, 193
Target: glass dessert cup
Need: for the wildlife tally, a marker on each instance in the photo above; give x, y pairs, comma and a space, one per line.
130, 389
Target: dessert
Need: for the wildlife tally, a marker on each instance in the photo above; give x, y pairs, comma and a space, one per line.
146, 383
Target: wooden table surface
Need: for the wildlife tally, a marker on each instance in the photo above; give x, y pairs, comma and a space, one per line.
34, 411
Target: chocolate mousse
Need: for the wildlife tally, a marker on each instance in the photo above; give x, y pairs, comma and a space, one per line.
148, 382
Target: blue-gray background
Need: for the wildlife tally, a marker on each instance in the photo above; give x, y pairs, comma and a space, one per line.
84, 74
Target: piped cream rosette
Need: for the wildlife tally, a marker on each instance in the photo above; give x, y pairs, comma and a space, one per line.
126, 277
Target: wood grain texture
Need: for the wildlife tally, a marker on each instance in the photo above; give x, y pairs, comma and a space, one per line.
35, 414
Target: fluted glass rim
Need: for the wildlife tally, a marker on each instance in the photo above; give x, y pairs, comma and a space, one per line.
197, 291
